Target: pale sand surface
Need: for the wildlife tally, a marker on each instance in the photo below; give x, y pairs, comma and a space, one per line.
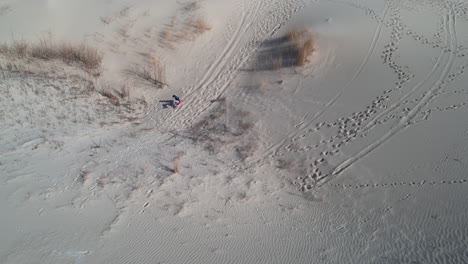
358, 156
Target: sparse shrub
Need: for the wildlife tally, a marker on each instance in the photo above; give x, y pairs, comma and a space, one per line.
83, 176
124, 92
167, 36
291, 50
296, 35
124, 11
303, 41
124, 31
67, 52
153, 72
106, 20
201, 26
305, 51
176, 162
184, 29
88, 56
46, 49
20, 48
191, 6
106, 91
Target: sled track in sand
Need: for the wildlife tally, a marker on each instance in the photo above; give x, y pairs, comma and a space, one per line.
253, 28
256, 22
236, 54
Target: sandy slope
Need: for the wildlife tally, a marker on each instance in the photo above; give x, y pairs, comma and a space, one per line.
357, 157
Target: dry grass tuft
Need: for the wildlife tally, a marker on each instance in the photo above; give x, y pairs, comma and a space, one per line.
124, 92
201, 26
83, 176
167, 36
184, 28
176, 167
124, 11
191, 6
305, 51
106, 20
296, 35
124, 31
46, 49
83, 54
106, 91
153, 72
303, 41
292, 50
20, 48
219, 100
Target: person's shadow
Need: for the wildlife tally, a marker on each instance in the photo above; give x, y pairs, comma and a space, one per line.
166, 103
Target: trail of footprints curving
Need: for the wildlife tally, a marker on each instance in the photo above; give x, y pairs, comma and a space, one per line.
397, 184
345, 130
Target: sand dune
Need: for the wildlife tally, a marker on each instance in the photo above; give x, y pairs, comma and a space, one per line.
311, 131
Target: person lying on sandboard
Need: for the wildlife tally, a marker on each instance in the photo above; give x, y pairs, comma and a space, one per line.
176, 101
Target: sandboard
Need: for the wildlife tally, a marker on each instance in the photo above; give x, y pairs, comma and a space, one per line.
179, 104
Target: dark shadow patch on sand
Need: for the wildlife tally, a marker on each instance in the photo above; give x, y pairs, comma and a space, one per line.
291, 50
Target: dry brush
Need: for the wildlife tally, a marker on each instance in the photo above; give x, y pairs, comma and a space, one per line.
46, 48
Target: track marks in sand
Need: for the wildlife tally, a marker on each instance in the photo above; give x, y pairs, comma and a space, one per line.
405, 121
404, 105
255, 26
217, 70
398, 184
306, 125
313, 151
403, 194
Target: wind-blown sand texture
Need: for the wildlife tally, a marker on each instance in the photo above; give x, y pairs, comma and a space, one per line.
312, 131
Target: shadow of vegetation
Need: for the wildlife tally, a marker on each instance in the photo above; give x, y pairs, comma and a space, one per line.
287, 51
